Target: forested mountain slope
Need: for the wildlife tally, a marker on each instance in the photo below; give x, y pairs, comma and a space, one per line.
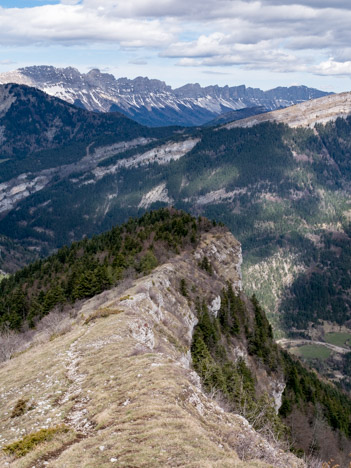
14, 255
32, 120
44, 140
283, 191
144, 306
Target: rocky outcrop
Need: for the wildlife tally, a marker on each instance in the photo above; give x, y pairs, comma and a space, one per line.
122, 383
19, 188
306, 114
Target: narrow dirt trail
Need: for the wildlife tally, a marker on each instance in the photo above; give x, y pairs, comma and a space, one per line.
77, 417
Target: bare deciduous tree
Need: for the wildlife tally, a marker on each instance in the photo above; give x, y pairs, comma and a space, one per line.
55, 323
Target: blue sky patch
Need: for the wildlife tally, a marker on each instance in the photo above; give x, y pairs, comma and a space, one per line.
26, 3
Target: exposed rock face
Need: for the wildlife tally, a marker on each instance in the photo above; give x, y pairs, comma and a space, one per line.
18, 188
125, 384
221, 257
150, 101
306, 114
158, 193
160, 155
7, 98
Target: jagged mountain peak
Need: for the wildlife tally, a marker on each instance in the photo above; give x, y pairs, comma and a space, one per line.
144, 85
96, 72
190, 90
48, 74
151, 101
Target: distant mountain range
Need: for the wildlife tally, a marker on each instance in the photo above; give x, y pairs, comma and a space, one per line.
152, 102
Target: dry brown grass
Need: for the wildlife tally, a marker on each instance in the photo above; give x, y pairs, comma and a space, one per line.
101, 313
142, 407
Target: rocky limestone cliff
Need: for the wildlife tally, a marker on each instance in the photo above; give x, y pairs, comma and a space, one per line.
122, 383
305, 114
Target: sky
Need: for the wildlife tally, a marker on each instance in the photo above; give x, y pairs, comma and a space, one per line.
263, 43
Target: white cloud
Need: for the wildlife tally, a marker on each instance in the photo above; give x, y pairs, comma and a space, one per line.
333, 68
7, 62
138, 62
343, 4
193, 10
219, 49
70, 2
277, 35
73, 24
213, 72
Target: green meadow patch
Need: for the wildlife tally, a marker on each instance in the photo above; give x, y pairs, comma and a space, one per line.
313, 352
342, 339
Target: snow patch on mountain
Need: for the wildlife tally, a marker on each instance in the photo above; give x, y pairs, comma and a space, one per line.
151, 101
16, 76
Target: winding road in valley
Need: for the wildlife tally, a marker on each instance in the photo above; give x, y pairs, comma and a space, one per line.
287, 343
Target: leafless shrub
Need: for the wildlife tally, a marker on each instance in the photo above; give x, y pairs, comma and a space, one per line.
141, 289
129, 274
166, 322
10, 343
154, 296
41, 337
244, 445
138, 350
101, 313
222, 401
55, 324
313, 462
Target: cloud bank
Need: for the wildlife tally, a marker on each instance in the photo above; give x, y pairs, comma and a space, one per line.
303, 35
